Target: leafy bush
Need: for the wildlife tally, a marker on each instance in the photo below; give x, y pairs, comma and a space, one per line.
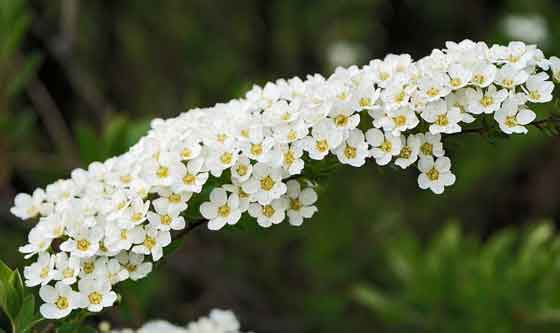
458, 284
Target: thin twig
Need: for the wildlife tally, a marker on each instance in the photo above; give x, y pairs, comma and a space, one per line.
52, 118
190, 227
484, 130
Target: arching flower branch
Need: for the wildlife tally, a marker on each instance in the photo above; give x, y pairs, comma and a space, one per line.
260, 155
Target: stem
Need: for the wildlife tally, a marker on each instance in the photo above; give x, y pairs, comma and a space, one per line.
484, 130
190, 227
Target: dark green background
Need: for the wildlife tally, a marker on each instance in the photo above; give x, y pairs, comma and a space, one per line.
94, 72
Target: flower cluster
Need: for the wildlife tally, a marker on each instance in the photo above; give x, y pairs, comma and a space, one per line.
218, 321
110, 222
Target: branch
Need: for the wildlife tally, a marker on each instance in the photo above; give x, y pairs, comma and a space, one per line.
190, 227
540, 124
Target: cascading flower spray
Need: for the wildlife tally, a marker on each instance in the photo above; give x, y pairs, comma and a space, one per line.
110, 222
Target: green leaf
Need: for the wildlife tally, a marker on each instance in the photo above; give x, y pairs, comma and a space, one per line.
27, 318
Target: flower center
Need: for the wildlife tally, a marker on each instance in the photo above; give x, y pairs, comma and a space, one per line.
224, 210
400, 97
292, 135
124, 234
455, 82
174, 198
186, 153
427, 148
405, 152
510, 121
44, 272
189, 179
386, 146
432, 92
341, 120
131, 267
441, 120
295, 204
256, 149
267, 183
62, 303
486, 101
162, 172
149, 242
322, 146
88, 267
289, 158
478, 79
365, 102
165, 219
399, 120
383, 76
221, 138
226, 158
350, 152
83, 245
136, 217
126, 179
68, 273
535, 95
433, 174
508, 83
241, 170
268, 211
95, 298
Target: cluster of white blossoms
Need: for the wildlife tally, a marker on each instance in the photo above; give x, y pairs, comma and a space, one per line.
109, 223
218, 321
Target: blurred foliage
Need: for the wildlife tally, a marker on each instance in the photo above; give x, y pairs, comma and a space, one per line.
110, 66
455, 283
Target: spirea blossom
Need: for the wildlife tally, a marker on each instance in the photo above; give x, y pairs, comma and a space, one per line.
218, 321
248, 156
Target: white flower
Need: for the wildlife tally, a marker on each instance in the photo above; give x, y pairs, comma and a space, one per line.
555, 68
165, 218
400, 120
154, 242
291, 160
300, 203
59, 300
242, 169
38, 242
40, 272
194, 179
435, 175
92, 267
96, 293
459, 99
483, 75
323, 138
219, 160
442, 118
459, 76
512, 118
115, 273
84, 242
29, 206
434, 87
221, 209
430, 145
134, 214
538, 89
161, 326
510, 76
265, 183
67, 268
487, 102
174, 202
135, 265
122, 238
384, 146
410, 148
354, 150
163, 170
269, 214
